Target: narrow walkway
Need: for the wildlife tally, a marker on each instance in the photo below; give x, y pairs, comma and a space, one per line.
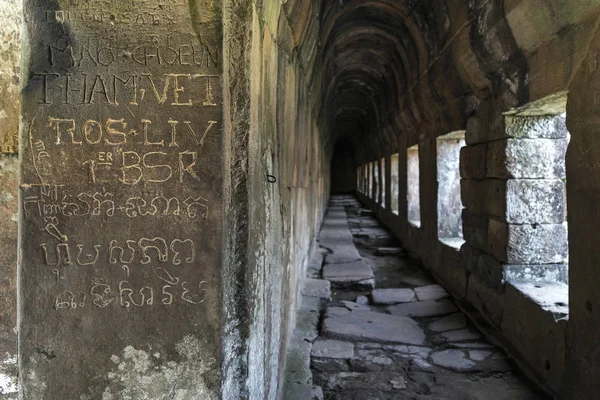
390, 332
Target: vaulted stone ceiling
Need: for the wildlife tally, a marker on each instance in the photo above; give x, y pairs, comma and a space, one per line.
388, 66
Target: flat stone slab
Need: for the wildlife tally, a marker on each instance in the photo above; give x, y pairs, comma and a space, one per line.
471, 361
392, 296
336, 236
389, 251
372, 326
449, 323
349, 275
461, 335
320, 288
421, 309
431, 292
327, 348
456, 360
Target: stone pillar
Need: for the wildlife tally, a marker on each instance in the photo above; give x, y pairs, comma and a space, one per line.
121, 188
583, 180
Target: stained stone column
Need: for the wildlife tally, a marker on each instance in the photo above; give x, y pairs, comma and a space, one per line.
121, 200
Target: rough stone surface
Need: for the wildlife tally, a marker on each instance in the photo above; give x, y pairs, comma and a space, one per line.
121, 198
332, 349
431, 292
357, 274
336, 236
454, 359
535, 201
451, 322
320, 288
371, 326
427, 308
529, 244
355, 306
296, 391
527, 158
392, 296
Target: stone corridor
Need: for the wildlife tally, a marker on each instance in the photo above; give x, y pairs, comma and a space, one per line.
373, 325
299, 199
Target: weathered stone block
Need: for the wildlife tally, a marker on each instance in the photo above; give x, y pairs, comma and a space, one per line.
475, 229
486, 197
528, 243
536, 273
518, 201
535, 201
473, 161
527, 158
535, 322
548, 127
487, 125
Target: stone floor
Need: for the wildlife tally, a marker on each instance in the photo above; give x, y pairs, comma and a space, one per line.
387, 331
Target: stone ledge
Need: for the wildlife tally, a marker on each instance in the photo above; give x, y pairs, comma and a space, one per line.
454, 243
535, 322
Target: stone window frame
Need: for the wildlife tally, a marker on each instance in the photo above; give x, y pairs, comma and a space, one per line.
413, 186
376, 182
395, 183
449, 204
383, 182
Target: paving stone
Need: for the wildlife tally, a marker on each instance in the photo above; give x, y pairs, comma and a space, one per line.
369, 346
372, 326
354, 275
327, 348
371, 360
355, 306
398, 384
427, 308
392, 296
422, 352
322, 364
431, 292
479, 355
389, 251
451, 322
461, 335
361, 381
337, 311
295, 391
456, 360
317, 288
